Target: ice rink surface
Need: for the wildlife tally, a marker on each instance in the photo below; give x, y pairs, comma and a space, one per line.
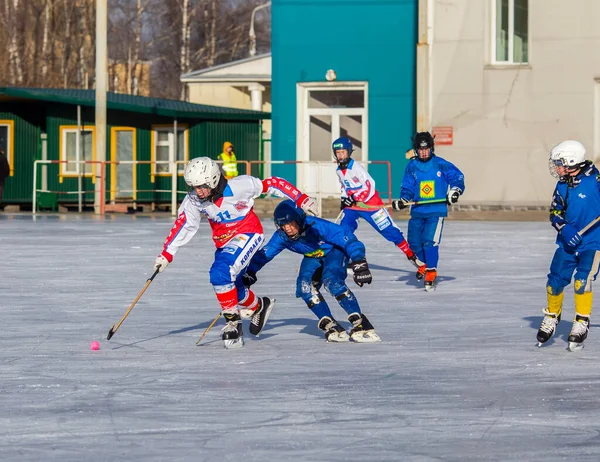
457, 376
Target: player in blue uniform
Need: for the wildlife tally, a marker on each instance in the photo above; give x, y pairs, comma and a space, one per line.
575, 204
326, 248
428, 178
358, 188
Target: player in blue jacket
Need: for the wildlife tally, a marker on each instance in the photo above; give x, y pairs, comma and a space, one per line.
326, 248
575, 204
437, 183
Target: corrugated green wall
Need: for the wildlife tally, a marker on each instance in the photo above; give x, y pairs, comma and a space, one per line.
362, 40
27, 120
205, 138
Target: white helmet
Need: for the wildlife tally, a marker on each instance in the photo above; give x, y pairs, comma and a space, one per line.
569, 153
202, 171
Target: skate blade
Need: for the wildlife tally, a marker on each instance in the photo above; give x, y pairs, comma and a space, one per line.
429, 288
233, 344
574, 346
365, 337
269, 309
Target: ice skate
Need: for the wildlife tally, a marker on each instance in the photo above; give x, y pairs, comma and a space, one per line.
362, 330
233, 334
548, 327
261, 315
430, 280
333, 331
579, 331
421, 272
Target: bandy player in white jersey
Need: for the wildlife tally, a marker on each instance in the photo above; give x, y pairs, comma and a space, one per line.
359, 186
237, 234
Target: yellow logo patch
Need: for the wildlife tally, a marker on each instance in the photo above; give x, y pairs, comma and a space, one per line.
427, 189
315, 254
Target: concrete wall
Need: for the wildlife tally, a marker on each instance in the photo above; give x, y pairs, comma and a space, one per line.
507, 118
221, 94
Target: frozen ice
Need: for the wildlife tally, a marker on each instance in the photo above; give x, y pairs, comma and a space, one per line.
457, 377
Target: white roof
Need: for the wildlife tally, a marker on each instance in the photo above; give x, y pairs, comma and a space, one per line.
254, 69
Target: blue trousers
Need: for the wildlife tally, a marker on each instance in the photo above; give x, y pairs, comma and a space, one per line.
231, 261
424, 237
329, 271
564, 264
380, 220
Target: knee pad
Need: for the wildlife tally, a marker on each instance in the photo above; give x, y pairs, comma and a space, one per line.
581, 286
314, 300
343, 295
554, 290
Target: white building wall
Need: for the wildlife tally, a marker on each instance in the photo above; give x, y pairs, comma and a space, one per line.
507, 118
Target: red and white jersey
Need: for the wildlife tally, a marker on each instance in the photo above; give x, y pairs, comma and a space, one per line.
358, 184
230, 215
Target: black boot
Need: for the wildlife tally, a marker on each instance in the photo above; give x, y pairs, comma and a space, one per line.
233, 334
261, 315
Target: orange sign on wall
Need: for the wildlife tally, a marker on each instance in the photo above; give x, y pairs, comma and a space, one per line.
443, 135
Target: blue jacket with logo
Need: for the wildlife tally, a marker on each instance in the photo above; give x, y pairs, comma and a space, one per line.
577, 203
431, 180
318, 238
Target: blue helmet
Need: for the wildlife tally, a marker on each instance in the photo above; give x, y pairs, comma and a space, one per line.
287, 212
342, 143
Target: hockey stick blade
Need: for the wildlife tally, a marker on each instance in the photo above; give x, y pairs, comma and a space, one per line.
111, 332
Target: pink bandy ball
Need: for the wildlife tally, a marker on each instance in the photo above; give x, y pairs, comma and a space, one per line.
95, 345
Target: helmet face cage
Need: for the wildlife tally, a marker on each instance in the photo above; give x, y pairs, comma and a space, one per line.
287, 212
342, 143
423, 140
566, 158
201, 172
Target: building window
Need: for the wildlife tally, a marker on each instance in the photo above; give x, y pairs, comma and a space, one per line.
510, 32
68, 151
164, 148
7, 129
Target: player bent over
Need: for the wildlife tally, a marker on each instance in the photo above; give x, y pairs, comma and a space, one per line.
359, 187
236, 232
326, 248
575, 204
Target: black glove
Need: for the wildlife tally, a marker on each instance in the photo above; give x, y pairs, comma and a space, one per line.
362, 274
452, 196
249, 278
400, 204
346, 202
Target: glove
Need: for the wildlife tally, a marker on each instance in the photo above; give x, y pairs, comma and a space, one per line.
570, 235
452, 196
400, 204
161, 263
307, 204
346, 202
362, 274
249, 278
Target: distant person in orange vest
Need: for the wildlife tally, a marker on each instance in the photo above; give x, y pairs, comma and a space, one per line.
4, 171
229, 161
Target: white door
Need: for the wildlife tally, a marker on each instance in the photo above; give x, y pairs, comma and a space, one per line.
330, 112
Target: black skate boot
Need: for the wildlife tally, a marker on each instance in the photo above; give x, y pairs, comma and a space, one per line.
333, 331
548, 327
579, 331
363, 331
233, 334
261, 315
